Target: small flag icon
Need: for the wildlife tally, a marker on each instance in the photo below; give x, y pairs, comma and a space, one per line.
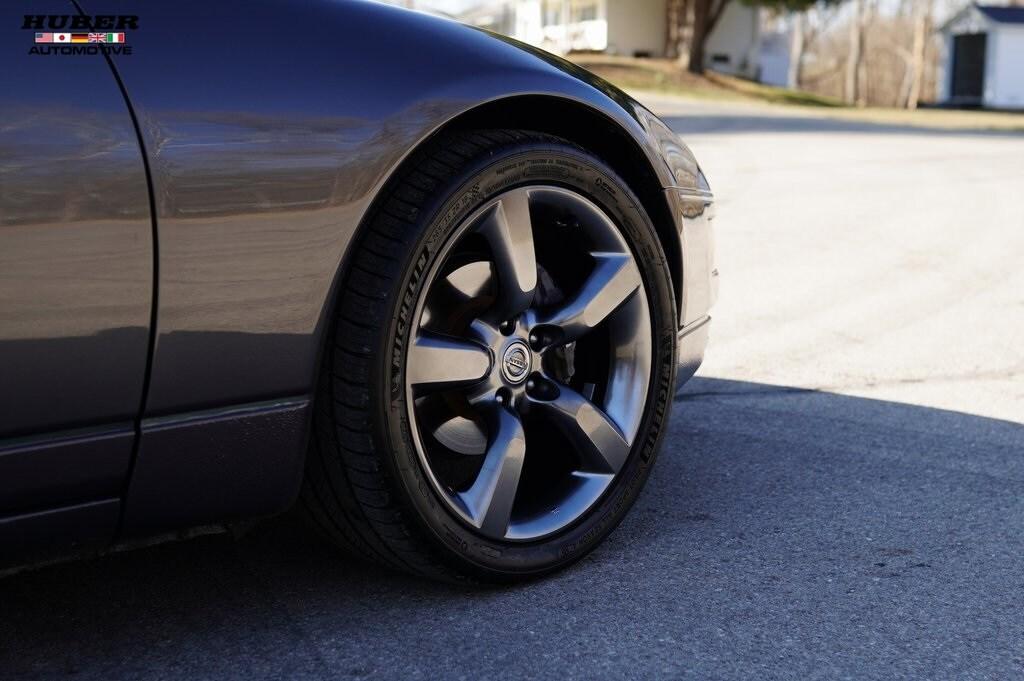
106, 37
44, 37
62, 37
79, 37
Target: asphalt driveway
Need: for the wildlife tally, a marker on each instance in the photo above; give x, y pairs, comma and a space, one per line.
841, 493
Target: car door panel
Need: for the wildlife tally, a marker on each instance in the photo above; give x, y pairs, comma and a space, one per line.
76, 274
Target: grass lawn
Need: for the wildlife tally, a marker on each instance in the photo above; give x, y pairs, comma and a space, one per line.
665, 77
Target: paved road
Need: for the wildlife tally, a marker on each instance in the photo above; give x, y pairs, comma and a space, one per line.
841, 494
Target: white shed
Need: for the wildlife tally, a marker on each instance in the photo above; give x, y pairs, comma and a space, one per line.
983, 63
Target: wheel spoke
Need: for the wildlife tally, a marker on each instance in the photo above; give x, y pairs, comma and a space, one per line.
461, 435
484, 333
471, 279
612, 282
509, 232
441, 361
451, 294
595, 435
489, 501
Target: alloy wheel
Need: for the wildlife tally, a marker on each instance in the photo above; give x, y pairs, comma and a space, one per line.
528, 369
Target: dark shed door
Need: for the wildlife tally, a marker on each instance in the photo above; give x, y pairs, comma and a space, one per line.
969, 67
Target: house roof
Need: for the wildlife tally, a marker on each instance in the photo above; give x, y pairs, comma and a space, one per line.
1003, 15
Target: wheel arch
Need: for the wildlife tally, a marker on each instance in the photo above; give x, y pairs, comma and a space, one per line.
561, 116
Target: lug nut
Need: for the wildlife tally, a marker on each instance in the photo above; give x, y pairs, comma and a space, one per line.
505, 398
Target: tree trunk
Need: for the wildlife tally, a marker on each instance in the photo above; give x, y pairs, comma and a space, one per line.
903, 97
672, 25
796, 51
677, 31
685, 34
699, 35
922, 27
856, 53
705, 15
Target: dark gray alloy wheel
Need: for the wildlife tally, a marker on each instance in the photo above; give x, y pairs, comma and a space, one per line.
500, 368
490, 370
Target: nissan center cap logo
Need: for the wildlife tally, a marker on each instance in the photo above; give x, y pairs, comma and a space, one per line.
515, 363
80, 33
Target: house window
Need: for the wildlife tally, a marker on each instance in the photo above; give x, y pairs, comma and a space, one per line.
584, 10
552, 11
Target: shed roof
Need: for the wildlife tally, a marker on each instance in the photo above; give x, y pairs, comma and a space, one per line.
1003, 15
997, 14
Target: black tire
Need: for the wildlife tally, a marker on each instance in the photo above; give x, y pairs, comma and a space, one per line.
365, 487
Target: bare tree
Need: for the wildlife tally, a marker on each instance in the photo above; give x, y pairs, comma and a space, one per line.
886, 71
922, 29
855, 54
797, 45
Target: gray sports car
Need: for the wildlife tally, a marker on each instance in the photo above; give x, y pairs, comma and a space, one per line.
434, 285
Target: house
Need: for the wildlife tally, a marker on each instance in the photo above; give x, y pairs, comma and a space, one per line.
634, 28
983, 61
775, 42
499, 17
